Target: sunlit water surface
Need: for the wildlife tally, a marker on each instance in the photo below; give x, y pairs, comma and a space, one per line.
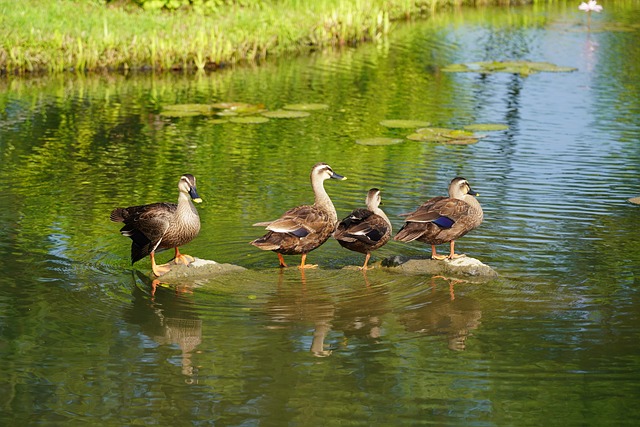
553, 341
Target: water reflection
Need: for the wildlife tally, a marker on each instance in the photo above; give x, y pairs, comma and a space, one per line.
360, 312
166, 313
294, 304
436, 311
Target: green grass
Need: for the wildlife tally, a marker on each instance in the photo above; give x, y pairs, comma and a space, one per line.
85, 35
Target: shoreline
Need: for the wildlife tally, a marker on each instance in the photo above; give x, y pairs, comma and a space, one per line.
43, 37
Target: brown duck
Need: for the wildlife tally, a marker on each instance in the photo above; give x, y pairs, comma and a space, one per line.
365, 230
303, 228
159, 226
444, 219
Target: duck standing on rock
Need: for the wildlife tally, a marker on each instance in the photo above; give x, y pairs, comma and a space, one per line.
444, 219
158, 226
365, 230
303, 228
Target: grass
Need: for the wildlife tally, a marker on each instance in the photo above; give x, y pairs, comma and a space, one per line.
85, 35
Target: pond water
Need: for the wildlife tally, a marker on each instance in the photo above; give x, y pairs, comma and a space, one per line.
554, 340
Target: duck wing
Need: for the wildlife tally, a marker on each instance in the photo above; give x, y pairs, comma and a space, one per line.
442, 211
362, 225
145, 225
299, 221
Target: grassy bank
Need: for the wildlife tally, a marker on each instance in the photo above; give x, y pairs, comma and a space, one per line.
87, 35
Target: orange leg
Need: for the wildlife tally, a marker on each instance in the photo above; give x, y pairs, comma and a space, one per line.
158, 270
303, 265
366, 261
453, 254
434, 253
182, 258
282, 263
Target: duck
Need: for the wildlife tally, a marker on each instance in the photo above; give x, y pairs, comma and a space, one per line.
159, 226
303, 228
444, 219
365, 230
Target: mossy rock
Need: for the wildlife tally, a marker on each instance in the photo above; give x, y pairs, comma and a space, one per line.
199, 269
463, 267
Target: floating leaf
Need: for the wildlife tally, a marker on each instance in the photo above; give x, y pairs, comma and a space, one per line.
306, 107
523, 68
218, 121
378, 141
444, 135
185, 110
460, 134
404, 124
426, 137
486, 127
249, 120
226, 113
465, 141
435, 131
285, 114
635, 200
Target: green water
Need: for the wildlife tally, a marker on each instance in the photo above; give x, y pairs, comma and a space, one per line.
553, 341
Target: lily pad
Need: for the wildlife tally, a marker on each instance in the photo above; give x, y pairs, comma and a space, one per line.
227, 113
404, 124
306, 107
486, 127
378, 141
285, 114
238, 107
249, 120
426, 137
463, 141
445, 136
185, 110
523, 68
218, 121
635, 200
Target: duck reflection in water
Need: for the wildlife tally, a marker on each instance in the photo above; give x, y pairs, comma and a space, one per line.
168, 317
294, 305
359, 314
440, 313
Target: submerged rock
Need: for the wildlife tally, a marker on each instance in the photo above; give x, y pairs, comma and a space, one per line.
200, 269
466, 267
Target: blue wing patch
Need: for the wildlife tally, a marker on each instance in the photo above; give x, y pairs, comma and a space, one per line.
300, 232
444, 222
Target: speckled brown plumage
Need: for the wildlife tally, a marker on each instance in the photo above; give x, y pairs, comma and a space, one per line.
365, 230
159, 226
444, 219
304, 228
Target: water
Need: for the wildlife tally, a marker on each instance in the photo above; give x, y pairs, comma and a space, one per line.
553, 341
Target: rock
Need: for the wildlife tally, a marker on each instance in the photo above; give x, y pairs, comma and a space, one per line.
199, 269
466, 267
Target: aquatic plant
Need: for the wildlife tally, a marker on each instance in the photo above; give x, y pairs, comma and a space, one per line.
590, 6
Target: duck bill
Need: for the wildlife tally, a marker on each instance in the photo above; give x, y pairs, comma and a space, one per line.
473, 193
194, 195
336, 176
